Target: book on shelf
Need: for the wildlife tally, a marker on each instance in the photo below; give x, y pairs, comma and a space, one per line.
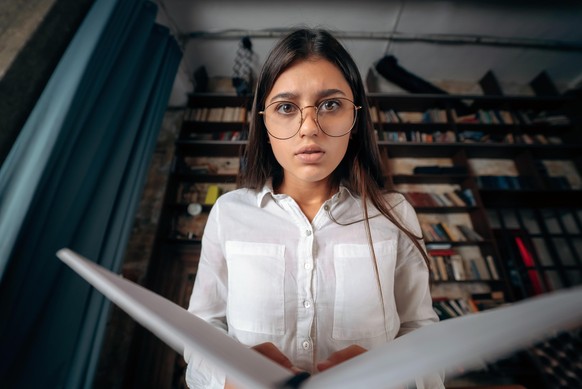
466, 195
216, 114
457, 307
529, 264
455, 199
419, 199
458, 266
488, 300
442, 268
469, 233
434, 270
440, 199
443, 231
212, 165
450, 233
195, 192
389, 116
212, 194
478, 268
437, 246
429, 233
505, 182
447, 265
492, 267
468, 339
433, 199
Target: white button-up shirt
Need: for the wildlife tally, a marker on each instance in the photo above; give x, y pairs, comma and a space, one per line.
267, 274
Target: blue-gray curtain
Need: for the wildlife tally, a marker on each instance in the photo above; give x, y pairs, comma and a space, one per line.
74, 178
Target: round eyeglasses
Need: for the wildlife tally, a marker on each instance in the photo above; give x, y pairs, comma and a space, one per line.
335, 117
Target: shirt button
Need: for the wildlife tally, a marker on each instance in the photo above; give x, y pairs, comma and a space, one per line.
307, 304
326, 207
306, 344
308, 232
308, 266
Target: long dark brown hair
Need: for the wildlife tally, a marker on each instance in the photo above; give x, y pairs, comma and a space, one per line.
361, 168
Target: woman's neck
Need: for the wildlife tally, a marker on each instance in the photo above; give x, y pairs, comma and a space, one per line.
309, 196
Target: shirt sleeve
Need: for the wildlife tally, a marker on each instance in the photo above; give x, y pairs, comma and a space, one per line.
208, 301
412, 289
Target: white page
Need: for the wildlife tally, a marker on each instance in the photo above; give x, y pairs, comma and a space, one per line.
179, 328
453, 345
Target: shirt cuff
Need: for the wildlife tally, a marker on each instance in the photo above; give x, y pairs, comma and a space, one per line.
201, 374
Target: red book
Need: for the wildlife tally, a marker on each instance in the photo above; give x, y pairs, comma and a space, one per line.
528, 261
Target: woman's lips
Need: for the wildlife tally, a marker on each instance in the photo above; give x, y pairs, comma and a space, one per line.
310, 154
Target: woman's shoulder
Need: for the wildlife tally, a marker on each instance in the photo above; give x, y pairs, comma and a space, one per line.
402, 209
240, 195
396, 201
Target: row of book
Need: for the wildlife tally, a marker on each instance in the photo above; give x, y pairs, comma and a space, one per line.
473, 136
456, 198
449, 308
217, 114
504, 117
481, 116
445, 232
432, 115
489, 116
417, 136
449, 265
412, 136
219, 135
505, 182
559, 182
466, 136
207, 165
201, 192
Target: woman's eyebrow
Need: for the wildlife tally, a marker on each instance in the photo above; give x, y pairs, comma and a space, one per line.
330, 92
321, 94
283, 96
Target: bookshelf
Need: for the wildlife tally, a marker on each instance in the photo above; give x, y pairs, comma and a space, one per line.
517, 158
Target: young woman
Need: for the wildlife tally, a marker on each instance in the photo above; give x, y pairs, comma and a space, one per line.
311, 262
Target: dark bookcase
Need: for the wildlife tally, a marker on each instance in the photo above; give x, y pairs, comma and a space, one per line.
517, 158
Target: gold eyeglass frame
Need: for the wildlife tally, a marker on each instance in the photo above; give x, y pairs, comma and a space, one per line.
356, 109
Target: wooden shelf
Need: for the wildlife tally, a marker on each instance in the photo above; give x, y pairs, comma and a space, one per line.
171, 254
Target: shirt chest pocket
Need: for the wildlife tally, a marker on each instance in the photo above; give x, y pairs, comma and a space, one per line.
358, 311
256, 276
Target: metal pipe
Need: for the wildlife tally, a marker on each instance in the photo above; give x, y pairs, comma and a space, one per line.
445, 39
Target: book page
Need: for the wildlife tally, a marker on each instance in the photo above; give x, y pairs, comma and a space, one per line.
452, 345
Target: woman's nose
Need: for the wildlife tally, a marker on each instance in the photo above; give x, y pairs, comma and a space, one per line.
309, 125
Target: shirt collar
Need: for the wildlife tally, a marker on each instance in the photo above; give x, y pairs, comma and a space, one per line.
342, 193
267, 190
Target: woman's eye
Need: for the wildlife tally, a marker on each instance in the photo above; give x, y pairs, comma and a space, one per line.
286, 108
330, 105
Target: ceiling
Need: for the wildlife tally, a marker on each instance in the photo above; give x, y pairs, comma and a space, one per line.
451, 44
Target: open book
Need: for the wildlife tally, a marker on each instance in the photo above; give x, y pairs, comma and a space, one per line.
452, 345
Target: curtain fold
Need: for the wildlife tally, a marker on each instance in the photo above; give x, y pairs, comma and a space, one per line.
74, 179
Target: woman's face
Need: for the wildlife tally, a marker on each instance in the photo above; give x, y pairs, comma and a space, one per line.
309, 156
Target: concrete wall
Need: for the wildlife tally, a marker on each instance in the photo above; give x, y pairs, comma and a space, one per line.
33, 36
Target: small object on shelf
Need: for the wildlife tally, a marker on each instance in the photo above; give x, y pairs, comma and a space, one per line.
194, 209
212, 194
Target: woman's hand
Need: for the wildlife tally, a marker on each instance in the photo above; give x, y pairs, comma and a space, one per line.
341, 356
271, 351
